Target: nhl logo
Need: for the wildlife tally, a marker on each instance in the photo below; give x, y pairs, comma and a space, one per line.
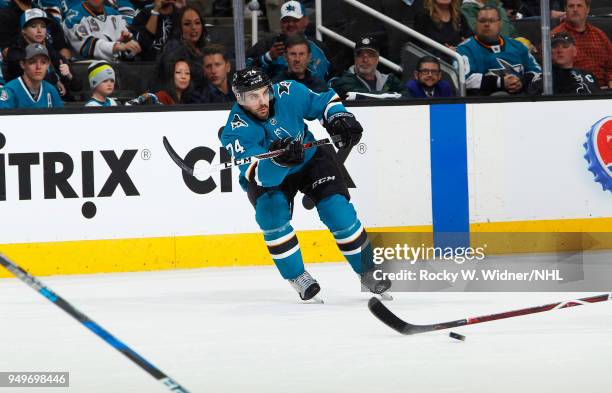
599, 152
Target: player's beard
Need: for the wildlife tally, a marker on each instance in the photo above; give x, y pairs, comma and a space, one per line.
262, 112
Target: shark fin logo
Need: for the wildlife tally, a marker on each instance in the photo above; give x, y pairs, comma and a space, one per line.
237, 122
599, 152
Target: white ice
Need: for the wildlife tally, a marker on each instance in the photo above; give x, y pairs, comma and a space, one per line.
244, 330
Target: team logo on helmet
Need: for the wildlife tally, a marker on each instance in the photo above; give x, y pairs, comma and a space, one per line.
599, 152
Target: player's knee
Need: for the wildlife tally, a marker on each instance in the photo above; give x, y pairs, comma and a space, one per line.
272, 210
336, 212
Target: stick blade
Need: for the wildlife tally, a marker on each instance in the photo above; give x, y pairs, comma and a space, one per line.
381, 312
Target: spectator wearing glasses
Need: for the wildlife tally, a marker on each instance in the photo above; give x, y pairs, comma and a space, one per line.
494, 63
470, 9
427, 82
594, 48
566, 78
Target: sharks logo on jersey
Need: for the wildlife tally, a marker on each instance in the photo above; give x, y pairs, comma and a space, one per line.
237, 122
507, 68
283, 87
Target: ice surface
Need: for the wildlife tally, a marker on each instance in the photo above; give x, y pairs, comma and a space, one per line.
244, 330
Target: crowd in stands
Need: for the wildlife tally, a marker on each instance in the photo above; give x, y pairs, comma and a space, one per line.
43, 43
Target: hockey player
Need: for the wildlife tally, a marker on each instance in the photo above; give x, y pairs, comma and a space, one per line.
270, 117
31, 90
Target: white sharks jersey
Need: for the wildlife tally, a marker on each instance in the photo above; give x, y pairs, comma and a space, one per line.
93, 36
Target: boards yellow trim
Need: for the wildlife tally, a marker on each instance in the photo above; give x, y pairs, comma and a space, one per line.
122, 255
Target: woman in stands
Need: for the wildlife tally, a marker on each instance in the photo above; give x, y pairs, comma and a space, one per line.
189, 38
34, 30
177, 85
442, 21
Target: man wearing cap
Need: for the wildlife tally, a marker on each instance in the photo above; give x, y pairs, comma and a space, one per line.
593, 46
31, 90
364, 77
566, 78
268, 53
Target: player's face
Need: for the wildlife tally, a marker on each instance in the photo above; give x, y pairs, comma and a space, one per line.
216, 69
191, 26
257, 102
106, 87
563, 54
182, 76
488, 25
428, 74
366, 62
35, 31
297, 58
36, 67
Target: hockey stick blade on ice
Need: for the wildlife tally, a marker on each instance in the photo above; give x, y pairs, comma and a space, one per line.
54, 298
387, 317
234, 162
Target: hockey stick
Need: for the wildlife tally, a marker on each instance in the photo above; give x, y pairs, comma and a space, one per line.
38, 286
234, 162
387, 317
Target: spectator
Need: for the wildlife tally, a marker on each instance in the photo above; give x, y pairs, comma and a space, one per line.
470, 8
427, 82
268, 53
99, 32
31, 90
123, 7
102, 82
10, 30
297, 55
217, 70
495, 63
33, 24
566, 78
177, 86
363, 76
188, 41
594, 47
152, 26
442, 21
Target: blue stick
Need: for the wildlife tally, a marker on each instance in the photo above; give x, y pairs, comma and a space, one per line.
38, 286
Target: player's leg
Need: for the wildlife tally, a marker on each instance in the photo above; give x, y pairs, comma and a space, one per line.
273, 215
324, 184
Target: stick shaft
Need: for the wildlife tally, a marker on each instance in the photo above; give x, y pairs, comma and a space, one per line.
54, 298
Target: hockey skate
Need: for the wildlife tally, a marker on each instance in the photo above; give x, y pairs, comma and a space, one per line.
306, 286
377, 287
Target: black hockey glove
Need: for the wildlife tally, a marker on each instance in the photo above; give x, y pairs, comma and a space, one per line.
344, 125
293, 155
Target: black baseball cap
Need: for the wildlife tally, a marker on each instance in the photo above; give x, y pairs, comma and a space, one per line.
562, 37
367, 42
